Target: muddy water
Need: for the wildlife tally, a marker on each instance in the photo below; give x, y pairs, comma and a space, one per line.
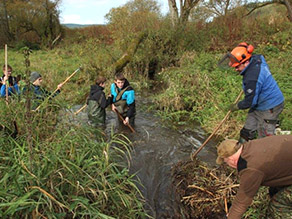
156, 149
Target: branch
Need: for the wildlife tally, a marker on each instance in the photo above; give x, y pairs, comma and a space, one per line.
262, 5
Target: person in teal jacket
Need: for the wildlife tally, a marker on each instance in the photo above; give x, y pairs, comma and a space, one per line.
123, 99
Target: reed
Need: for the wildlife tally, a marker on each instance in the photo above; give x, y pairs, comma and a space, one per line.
74, 171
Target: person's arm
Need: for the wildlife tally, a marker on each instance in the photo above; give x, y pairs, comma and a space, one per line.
250, 182
250, 98
131, 103
16, 89
104, 102
3, 90
113, 92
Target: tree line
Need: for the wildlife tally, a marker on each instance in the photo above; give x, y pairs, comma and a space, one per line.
34, 21
38, 21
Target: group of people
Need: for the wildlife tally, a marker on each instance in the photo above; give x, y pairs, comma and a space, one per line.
10, 86
260, 157
260, 162
122, 97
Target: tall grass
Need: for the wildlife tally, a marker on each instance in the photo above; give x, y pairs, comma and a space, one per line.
71, 172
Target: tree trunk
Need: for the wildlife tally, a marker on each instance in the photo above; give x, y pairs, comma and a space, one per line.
128, 55
173, 12
288, 5
4, 21
186, 7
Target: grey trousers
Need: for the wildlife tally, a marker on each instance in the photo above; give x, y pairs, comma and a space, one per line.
264, 122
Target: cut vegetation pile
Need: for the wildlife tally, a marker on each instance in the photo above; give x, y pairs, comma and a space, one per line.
206, 192
203, 191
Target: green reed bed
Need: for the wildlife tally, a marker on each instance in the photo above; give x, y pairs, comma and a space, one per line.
56, 170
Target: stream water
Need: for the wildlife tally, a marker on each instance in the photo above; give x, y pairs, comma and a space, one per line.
156, 149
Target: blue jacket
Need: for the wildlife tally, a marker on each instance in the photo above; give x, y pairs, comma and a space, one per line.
128, 95
39, 94
260, 88
12, 89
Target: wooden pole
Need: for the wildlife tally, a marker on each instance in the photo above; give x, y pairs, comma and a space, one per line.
6, 74
193, 155
67, 79
82, 108
225, 205
122, 119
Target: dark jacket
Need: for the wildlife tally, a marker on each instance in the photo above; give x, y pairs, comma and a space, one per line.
97, 103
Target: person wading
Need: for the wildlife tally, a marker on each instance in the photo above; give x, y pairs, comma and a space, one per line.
261, 162
123, 97
263, 96
97, 103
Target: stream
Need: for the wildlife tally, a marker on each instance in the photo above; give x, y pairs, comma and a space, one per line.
156, 149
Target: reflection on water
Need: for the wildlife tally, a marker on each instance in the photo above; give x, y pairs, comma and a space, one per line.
156, 150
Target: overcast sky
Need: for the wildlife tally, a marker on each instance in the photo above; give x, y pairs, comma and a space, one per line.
92, 11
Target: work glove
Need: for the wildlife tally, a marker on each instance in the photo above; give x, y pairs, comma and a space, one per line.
233, 107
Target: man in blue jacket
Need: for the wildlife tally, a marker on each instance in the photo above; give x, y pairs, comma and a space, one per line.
263, 96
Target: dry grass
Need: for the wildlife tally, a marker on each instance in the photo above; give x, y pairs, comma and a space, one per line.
203, 192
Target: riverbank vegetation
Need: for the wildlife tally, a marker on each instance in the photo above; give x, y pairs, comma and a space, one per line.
55, 169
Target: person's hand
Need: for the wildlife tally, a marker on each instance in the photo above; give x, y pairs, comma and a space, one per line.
113, 107
5, 79
60, 86
126, 121
233, 107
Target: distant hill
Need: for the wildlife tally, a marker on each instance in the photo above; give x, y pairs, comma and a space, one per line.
72, 26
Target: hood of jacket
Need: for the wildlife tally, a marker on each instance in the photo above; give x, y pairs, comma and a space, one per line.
95, 92
95, 88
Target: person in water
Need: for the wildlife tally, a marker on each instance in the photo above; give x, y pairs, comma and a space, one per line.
123, 99
97, 102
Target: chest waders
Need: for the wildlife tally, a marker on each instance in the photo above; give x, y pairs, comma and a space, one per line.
120, 104
96, 114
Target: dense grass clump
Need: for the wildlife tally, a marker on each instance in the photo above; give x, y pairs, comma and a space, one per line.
58, 170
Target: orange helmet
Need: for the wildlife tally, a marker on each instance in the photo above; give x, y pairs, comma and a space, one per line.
240, 54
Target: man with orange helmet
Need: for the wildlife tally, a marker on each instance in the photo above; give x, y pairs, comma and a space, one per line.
263, 97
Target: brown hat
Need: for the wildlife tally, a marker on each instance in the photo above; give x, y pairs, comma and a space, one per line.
227, 148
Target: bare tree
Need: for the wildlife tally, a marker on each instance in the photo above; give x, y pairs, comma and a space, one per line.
181, 15
286, 3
